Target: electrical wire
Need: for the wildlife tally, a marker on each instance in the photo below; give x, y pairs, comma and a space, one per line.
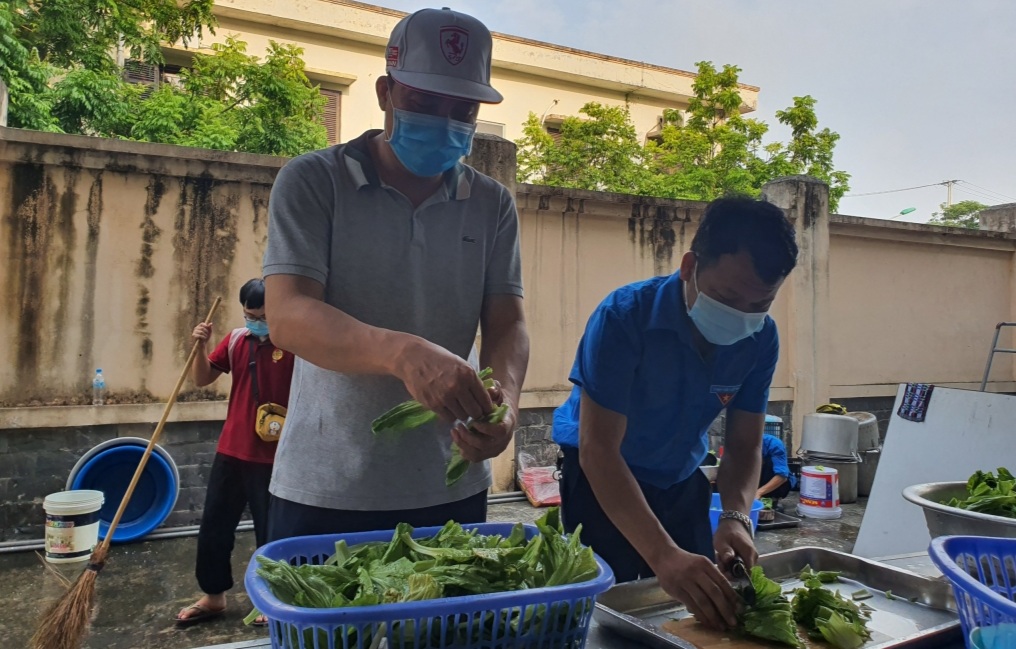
977, 194
989, 191
893, 191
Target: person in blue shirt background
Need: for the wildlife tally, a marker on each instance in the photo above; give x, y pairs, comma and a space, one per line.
775, 480
659, 360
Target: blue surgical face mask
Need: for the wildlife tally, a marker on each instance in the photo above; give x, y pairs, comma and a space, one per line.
427, 145
258, 327
719, 323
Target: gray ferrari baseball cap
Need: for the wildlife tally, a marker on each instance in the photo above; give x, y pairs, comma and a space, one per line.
443, 52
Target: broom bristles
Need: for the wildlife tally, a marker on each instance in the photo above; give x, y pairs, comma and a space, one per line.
66, 623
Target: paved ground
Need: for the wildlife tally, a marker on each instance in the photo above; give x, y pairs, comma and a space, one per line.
145, 584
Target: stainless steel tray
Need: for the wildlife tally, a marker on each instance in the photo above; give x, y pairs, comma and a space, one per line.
637, 610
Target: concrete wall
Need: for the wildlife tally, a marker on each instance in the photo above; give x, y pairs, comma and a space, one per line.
344, 49
115, 249
113, 252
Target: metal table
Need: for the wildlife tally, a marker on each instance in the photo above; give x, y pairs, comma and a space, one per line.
600, 638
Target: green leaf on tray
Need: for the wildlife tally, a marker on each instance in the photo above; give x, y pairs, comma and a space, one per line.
771, 617
827, 615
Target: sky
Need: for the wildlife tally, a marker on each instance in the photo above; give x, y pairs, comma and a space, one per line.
920, 91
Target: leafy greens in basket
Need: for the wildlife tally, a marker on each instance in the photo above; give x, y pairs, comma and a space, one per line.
452, 562
412, 414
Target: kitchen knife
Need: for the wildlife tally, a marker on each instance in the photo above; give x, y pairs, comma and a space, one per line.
742, 581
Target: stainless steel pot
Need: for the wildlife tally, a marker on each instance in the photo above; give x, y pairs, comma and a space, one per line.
866, 471
947, 521
831, 436
867, 431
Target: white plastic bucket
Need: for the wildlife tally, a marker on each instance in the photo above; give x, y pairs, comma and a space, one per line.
72, 524
820, 492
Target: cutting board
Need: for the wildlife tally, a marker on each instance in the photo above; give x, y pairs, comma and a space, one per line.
691, 631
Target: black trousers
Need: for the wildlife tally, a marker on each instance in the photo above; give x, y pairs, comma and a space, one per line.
232, 485
287, 519
683, 510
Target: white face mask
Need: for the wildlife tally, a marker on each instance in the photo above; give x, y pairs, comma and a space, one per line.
717, 322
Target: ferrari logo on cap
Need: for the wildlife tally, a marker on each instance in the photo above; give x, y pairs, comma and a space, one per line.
454, 43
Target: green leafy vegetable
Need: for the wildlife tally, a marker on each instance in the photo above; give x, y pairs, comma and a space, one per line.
827, 615
451, 563
406, 415
825, 577
412, 414
988, 494
771, 617
840, 633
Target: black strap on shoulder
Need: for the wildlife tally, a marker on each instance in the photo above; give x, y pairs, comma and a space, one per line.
253, 368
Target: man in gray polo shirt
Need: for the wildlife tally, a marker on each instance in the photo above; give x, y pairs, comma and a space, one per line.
384, 255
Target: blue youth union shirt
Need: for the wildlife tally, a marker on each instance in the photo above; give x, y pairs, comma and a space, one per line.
638, 358
774, 449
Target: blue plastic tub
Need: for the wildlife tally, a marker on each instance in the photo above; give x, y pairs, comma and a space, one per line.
982, 571
715, 509
111, 471
452, 619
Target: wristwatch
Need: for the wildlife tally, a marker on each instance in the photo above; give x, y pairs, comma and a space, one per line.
739, 516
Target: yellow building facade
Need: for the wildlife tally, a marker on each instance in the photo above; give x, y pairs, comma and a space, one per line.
344, 43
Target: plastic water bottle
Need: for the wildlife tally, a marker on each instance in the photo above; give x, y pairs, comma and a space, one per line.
98, 389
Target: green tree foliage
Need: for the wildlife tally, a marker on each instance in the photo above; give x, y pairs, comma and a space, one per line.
58, 57
598, 151
965, 214
710, 150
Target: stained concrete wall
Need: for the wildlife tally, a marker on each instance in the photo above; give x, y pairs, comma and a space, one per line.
115, 249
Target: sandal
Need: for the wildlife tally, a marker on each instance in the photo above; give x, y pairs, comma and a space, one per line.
204, 614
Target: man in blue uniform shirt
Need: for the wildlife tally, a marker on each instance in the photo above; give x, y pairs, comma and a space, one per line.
775, 480
658, 361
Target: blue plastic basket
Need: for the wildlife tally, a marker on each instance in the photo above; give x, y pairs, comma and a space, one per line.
545, 618
983, 575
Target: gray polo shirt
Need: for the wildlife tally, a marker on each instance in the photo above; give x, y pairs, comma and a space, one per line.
424, 271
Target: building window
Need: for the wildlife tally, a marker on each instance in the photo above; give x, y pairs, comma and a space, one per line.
330, 119
140, 72
490, 128
552, 124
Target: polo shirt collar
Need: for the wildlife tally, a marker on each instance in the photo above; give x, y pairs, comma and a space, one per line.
668, 309
362, 172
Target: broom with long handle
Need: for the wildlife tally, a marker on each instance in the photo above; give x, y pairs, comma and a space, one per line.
66, 623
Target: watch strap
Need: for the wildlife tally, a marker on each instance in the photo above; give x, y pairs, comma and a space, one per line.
741, 517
